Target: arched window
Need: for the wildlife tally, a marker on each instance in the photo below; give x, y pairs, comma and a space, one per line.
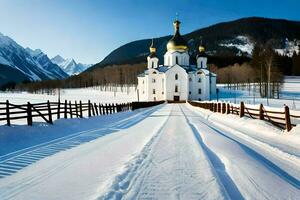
201, 64
176, 59
176, 88
176, 76
152, 64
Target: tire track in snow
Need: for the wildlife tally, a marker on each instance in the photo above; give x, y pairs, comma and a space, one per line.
217, 164
15, 161
278, 171
169, 168
30, 181
123, 181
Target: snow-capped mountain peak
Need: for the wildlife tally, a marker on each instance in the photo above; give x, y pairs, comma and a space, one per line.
29, 64
69, 65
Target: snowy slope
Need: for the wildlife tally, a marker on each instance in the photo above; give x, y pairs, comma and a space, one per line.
290, 47
69, 65
14, 55
242, 43
46, 63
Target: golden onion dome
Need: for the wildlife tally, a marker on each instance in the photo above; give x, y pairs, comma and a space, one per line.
177, 42
152, 48
201, 48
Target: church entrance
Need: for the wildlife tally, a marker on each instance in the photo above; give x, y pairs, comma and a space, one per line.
176, 98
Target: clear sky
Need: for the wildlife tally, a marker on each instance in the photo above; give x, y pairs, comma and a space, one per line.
88, 30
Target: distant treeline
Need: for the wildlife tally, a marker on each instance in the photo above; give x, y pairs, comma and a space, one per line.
230, 69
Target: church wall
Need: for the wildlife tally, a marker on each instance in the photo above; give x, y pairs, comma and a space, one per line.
155, 86
182, 83
143, 89
195, 85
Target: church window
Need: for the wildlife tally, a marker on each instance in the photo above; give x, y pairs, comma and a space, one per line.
152, 64
201, 64
199, 99
176, 76
153, 91
176, 88
154, 72
190, 79
154, 98
199, 80
199, 91
153, 80
143, 82
190, 92
176, 59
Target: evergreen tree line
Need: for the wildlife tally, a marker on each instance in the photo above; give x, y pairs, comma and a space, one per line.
266, 69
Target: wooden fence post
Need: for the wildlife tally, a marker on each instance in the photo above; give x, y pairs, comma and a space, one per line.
76, 109
100, 109
49, 112
242, 109
288, 124
223, 108
89, 109
261, 112
227, 109
70, 108
96, 109
7, 113
80, 109
58, 110
93, 109
106, 109
66, 111
29, 114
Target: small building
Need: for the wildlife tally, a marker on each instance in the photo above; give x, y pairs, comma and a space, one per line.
176, 79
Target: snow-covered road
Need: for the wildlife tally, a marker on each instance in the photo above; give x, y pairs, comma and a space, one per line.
172, 152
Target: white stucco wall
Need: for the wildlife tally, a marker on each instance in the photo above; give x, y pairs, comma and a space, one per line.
170, 58
182, 83
202, 62
152, 62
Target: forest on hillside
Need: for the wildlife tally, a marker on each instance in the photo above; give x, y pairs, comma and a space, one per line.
266, 67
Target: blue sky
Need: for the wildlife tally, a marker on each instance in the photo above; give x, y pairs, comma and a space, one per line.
87, 30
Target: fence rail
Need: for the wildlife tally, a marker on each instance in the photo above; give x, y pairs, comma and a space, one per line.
48, 110
67, 109
277, 118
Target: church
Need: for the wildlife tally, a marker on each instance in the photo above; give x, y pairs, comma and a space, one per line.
176, 79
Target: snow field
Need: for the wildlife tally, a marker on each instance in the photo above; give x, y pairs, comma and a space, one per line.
85, 170
171, 151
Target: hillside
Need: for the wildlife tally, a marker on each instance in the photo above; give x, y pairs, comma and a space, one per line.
224, 39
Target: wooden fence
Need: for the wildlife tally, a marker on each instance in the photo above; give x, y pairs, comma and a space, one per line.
145, 104
48, 110
277, 118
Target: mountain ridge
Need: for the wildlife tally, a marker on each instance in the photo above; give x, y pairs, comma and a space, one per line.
255, 29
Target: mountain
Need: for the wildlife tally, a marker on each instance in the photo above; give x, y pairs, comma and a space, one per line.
232, 38
46, 63
69, 65
15, 59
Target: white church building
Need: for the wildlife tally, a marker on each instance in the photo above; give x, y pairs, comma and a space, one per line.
176, 80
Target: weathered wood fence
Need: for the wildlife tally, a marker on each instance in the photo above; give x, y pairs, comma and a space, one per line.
136, 105
277, 118
67, 109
